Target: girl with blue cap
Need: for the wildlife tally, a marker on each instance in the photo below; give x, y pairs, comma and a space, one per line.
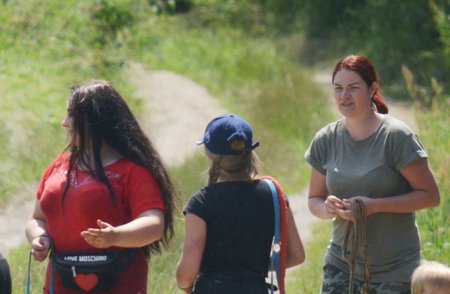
230, 223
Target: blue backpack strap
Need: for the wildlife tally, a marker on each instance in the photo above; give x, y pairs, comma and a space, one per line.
28, 274
28, 282
275, 257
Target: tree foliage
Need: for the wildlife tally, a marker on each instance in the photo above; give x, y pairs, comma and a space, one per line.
253, 16
390, 32
441, 15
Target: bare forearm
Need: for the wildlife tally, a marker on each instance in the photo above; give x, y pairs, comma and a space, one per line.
317, 207
409, 202
189, 265
320, 202
139, 232
295, 250
194, 244
37, 224
35, 228
185, 275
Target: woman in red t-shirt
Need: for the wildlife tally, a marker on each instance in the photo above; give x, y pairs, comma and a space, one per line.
109, 194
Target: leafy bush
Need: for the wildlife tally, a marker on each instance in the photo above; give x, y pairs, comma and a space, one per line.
170, 6
441, 14
110, 17
390, 33
253, 16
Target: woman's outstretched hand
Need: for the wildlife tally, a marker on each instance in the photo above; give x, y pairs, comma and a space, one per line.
101, 237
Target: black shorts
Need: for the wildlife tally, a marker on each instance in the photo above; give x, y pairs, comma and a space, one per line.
224, 284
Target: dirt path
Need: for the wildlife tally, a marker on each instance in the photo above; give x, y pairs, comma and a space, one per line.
177, 111
13, 218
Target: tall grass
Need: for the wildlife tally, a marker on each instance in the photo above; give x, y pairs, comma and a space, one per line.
307, 278
435, 223
41, 56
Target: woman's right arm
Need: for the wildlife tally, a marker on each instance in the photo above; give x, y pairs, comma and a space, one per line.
320, 203
295, 249
36, 233
191, 258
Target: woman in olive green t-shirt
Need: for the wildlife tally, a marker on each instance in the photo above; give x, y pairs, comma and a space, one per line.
372, 157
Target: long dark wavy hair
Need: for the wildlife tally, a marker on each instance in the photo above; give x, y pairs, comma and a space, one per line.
362, 66
99, 114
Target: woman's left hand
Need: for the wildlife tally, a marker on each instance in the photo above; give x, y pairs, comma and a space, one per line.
101, 237
347, 212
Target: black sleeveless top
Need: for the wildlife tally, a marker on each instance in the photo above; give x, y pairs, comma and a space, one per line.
240, 227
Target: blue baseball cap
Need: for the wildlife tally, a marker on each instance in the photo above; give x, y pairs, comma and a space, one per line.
228, 134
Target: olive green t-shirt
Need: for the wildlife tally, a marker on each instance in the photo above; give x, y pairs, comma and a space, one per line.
371, 168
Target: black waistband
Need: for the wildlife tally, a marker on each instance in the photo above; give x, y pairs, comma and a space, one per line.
230, 278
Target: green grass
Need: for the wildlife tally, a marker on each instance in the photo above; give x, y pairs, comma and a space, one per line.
434, 224
18, 262
307, 278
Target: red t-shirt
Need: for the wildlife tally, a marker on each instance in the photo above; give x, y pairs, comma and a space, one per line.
88, 200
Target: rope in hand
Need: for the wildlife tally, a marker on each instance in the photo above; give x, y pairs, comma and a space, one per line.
357, 232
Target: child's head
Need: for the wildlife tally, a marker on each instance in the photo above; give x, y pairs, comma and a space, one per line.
228, 134
431, 277
229, 146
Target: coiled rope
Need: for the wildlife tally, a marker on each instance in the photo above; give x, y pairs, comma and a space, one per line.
357, 232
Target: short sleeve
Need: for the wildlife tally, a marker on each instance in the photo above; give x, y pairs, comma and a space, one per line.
315, 153
197, 205
408, 150
49, 171
143, 192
